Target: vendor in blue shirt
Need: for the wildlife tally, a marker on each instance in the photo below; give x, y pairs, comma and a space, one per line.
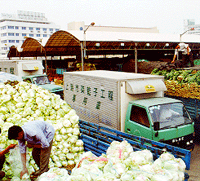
39, 136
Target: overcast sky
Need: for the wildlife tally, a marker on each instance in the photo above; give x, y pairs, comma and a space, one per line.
166, 15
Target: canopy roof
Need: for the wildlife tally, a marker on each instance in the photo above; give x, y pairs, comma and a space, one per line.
32, 48
63, 43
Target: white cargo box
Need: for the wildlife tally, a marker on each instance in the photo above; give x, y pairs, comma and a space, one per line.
22, 67
102, 96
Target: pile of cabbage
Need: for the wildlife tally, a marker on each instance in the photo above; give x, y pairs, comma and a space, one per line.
22, 102
181, 83
121, 163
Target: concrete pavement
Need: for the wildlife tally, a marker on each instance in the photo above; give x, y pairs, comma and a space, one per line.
194, 171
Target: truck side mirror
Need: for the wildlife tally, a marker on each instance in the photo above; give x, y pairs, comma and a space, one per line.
156, 126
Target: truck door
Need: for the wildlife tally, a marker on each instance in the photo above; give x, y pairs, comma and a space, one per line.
138, 123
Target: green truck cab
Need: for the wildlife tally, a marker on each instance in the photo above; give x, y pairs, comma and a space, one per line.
43, 81
161, 119
131, 103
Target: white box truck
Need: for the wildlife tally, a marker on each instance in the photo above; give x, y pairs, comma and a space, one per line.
22, 67
129, 102
30, 71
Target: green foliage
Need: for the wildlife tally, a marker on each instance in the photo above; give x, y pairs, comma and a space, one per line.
182, 76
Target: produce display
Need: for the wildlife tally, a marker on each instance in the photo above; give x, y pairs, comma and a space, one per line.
121, 163
21, 102
181, 83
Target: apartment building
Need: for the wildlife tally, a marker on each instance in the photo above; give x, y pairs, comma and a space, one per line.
191, 27
15, 28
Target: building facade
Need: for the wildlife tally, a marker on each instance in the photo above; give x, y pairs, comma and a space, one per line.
15, 28
190, 23
81, 26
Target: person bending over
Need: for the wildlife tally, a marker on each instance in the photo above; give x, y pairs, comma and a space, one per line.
39, 136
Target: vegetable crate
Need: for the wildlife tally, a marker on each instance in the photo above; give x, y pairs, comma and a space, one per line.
98, 138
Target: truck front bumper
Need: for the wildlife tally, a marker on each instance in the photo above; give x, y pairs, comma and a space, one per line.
186, 142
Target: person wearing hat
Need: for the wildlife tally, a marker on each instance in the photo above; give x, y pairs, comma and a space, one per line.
2, 157
39, 136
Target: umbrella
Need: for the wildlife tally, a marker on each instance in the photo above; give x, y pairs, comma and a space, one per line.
4, 77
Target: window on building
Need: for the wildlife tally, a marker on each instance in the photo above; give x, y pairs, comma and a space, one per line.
17, 34
44, 29
44, 35
11, 34
38, 35
31, 35
50, 29
30, 28
4, 34
38, 29
4, 41
4, 27
10, 27
5, 69
56, 29
17, 41
11, 41
23, 34
16, 27
23, 28
11, 70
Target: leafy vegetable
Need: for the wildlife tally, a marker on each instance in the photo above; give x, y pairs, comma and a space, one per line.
21, 102
105, 167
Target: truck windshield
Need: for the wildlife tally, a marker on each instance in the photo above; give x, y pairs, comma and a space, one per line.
170, 115
41, 80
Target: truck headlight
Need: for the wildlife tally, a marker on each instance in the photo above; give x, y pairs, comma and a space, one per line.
191, 141
187, 143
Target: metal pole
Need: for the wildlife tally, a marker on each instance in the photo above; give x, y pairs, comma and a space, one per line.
45, 64
84, 44
82, 58
84, 49
136, 58
181, 39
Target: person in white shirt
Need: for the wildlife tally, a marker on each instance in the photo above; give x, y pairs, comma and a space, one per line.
187, 56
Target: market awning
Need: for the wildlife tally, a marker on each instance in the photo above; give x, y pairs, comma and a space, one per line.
68, 43
62, 43
145, 86
32, 48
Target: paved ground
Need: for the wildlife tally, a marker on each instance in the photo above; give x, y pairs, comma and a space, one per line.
194, 171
